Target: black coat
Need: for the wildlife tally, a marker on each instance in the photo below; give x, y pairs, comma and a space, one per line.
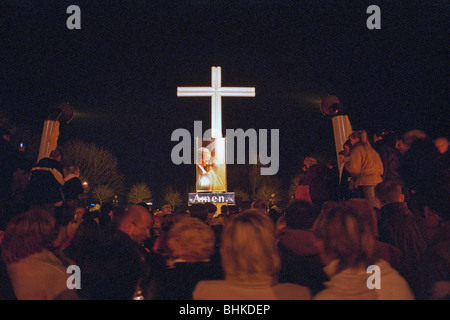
45, 184
316, 178
179, 282
72, 189
10, 160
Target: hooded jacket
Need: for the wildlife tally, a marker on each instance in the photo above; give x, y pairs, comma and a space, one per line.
365, 165
351, 284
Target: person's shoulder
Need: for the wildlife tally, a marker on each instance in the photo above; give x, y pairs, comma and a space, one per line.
291, 291
49, 163
209, 289
357, 150
211, 283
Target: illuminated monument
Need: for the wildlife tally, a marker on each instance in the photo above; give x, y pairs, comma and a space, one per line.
332, 108
210, 158
50, 133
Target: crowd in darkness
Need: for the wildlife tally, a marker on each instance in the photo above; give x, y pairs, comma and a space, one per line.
385, 206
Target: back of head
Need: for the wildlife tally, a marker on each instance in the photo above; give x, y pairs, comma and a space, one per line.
436, 199
300, 215
55, 155
233, 210
166, 209
28, 233
75, 170
309, 161
388, 192
365, 209
198, 210
210, 207
409, 137
192, 240
274, 214
111, 271
224, 209
249, 250
244, 205
259, 204
362, 136
106, 208
346, 236
181, 214
117, 214
167, 222
390, 139
442, 144
84, 239
88, 229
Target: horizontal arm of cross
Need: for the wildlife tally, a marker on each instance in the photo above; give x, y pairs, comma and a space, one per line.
195, 91
208, 92
236, 92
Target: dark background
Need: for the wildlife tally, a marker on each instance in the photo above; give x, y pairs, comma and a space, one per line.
122, 69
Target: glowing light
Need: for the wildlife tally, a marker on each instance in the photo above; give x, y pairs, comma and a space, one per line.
216, 92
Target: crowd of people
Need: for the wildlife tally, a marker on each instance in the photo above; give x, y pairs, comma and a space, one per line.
387, 206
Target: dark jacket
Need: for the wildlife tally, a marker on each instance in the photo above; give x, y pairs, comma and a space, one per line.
316, 178
73, 188
390, 157
300, 261
399, 227
433, 266
46, 181
10, 160
179, 282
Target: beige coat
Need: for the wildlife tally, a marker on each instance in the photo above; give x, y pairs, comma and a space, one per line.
365, 165
40, 276
228, 290
351, 284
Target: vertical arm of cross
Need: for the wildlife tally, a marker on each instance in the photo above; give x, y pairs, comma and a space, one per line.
216, 103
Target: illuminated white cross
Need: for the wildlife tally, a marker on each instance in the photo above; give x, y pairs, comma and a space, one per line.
216, 92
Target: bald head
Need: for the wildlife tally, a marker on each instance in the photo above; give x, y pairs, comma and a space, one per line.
136, 223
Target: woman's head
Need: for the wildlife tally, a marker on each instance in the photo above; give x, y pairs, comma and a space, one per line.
249, 249
309, 162
191, 239
74, 170
28, 233
300, 215
359, 137
346, 235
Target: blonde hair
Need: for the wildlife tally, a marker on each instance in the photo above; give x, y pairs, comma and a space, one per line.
362, 136
191, 239
346, 235
28, 233
249, 249
365, 209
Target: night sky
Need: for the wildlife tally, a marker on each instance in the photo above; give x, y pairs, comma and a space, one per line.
122, 69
